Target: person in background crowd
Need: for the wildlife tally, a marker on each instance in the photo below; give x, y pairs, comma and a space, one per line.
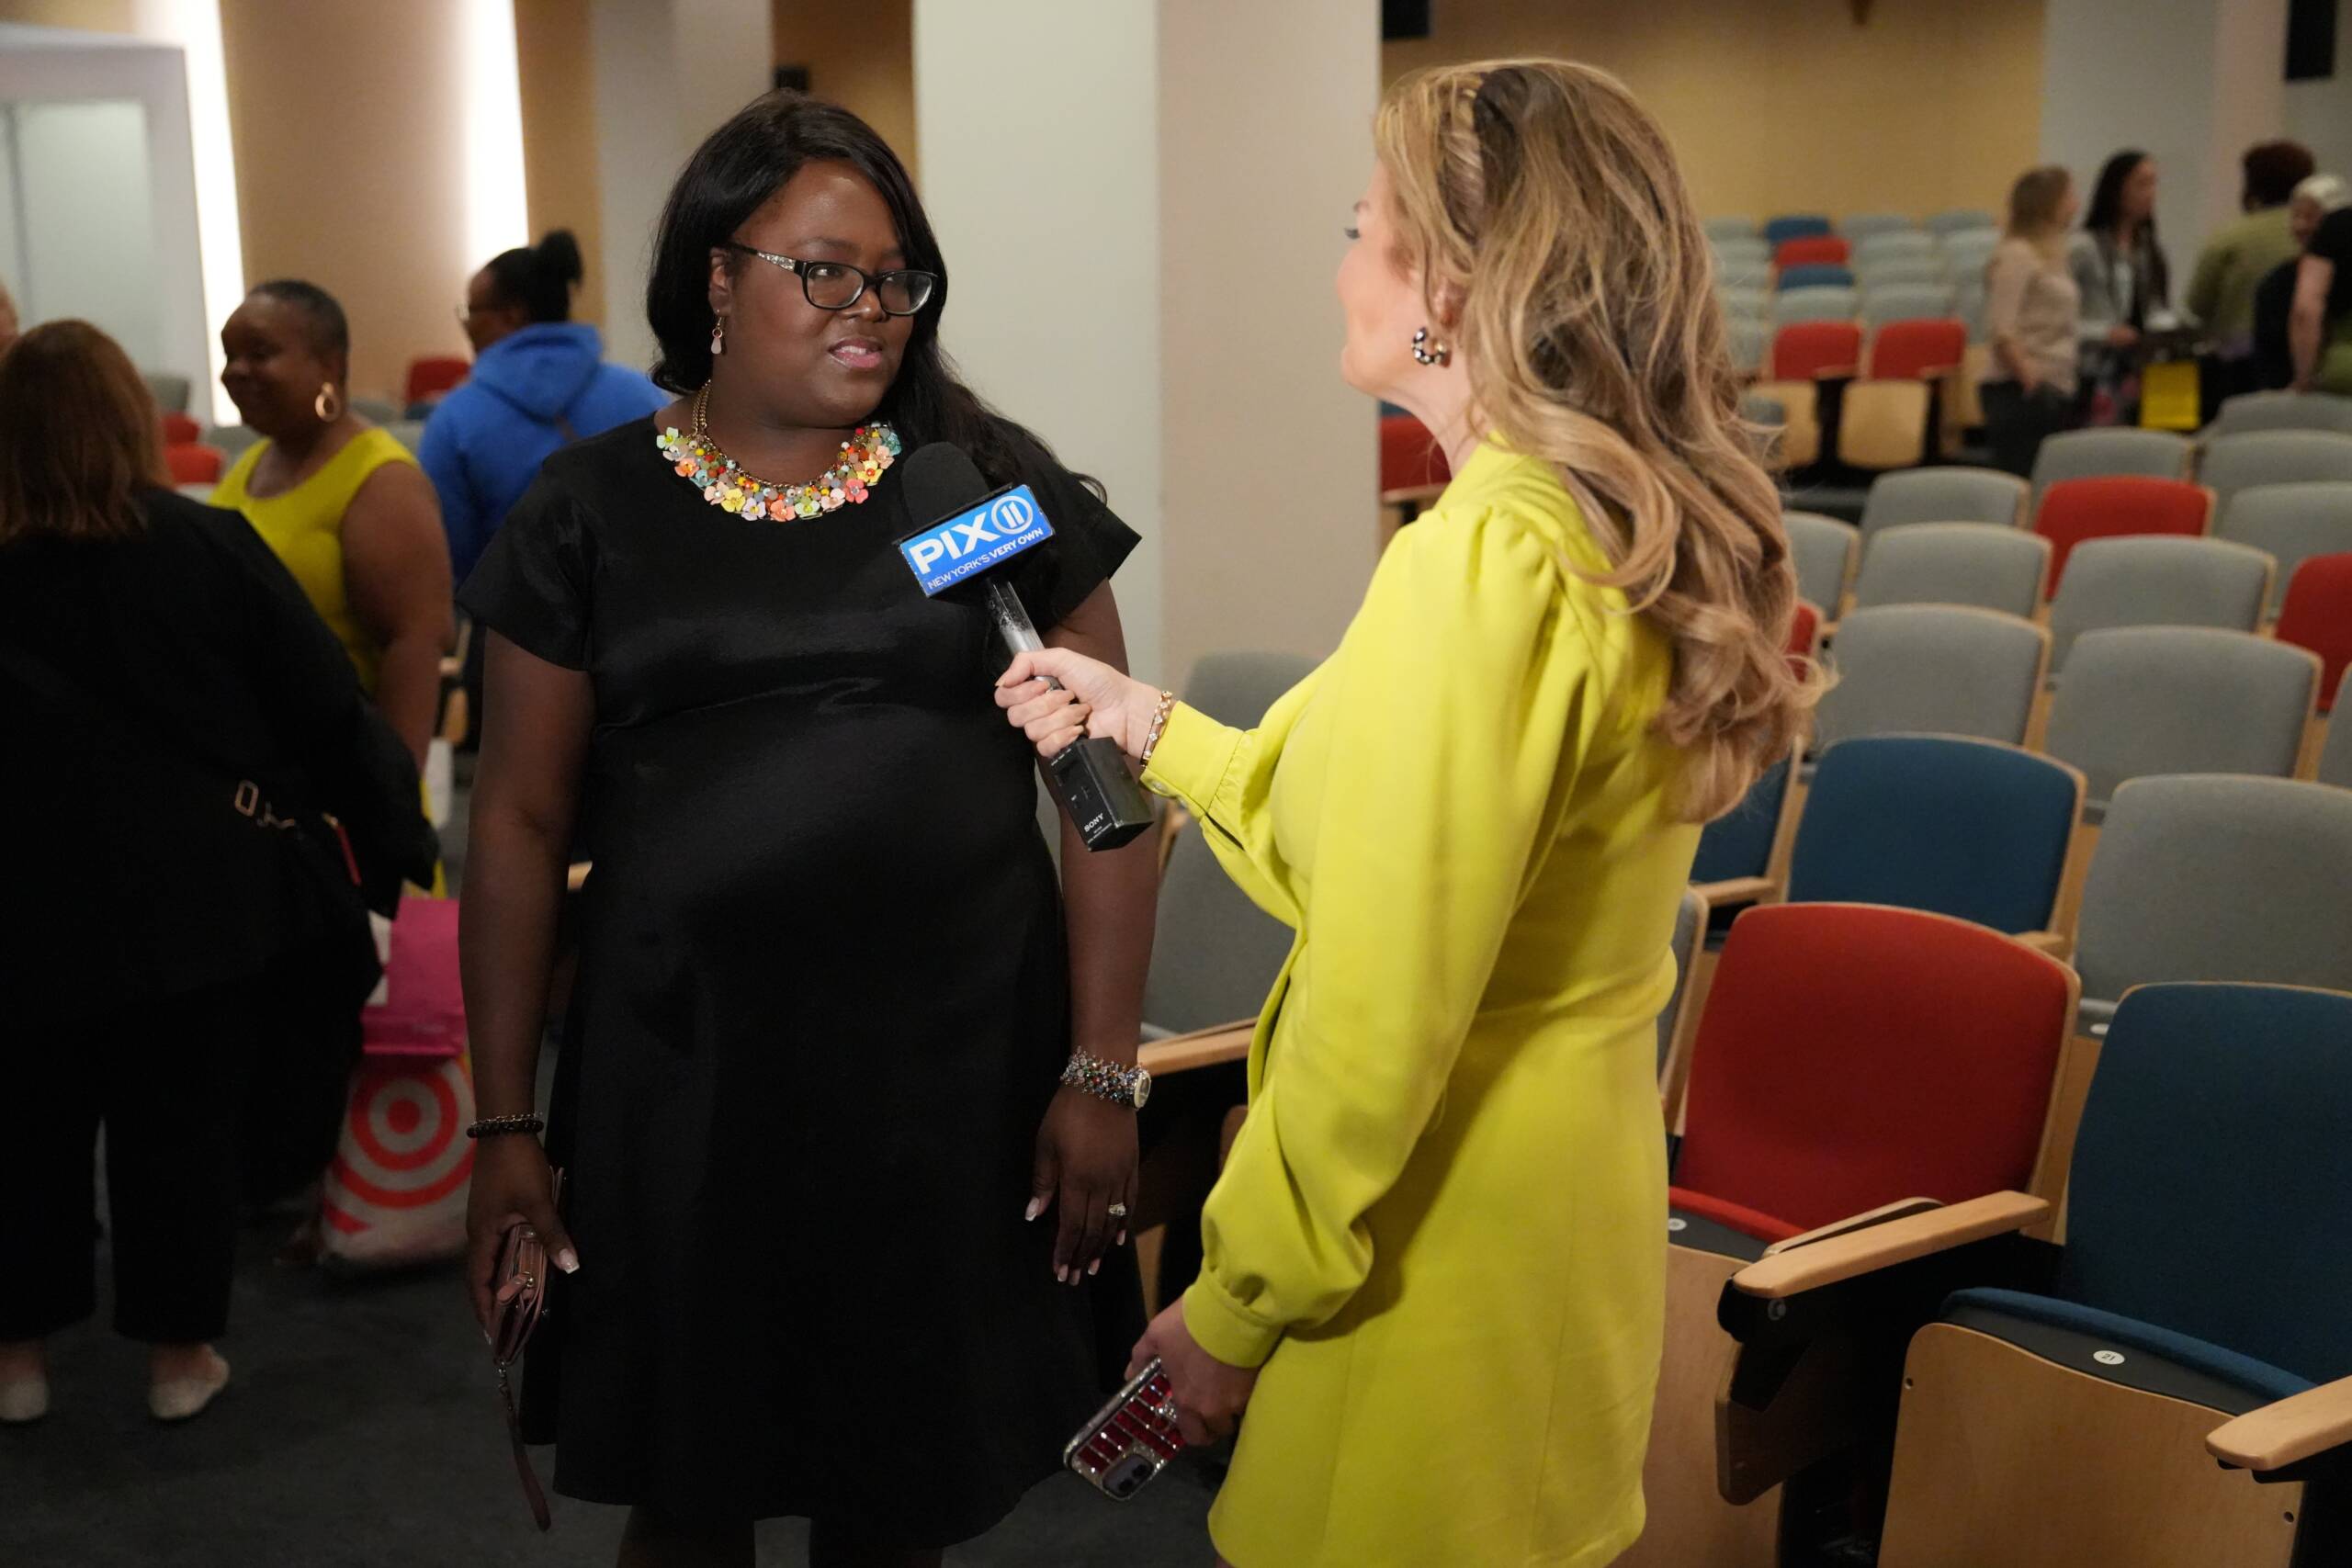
342, 503
172, 704
8, 318
2274, 302
828, 988
2240, 255
1479, 814
2120, 271
539, 382
2031, 315
2319, 328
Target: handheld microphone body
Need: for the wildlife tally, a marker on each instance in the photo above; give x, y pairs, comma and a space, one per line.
974, 532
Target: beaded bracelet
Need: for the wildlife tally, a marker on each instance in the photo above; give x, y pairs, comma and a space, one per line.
493, 1126
1159, 726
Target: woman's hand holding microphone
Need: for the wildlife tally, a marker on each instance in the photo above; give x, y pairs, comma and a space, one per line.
1094, 699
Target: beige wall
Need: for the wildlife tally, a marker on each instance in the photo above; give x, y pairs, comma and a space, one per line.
1788, 105
860, 54
556, 64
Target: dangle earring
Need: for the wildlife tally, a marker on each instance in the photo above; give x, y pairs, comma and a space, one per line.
718, 336
1430, 353
326, 405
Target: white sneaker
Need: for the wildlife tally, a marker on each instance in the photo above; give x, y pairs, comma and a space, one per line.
184, 1399
24, 1400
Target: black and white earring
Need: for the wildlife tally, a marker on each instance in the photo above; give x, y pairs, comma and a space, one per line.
1430, 353
718, 337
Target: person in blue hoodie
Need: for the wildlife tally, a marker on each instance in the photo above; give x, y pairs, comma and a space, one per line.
539, 382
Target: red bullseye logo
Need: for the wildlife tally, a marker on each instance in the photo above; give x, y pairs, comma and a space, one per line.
404, 1144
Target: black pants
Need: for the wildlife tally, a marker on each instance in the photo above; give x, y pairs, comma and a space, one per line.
166, 1077
2017, 422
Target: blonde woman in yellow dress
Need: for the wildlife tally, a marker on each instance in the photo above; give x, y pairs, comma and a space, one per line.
1435, 1262
342, 503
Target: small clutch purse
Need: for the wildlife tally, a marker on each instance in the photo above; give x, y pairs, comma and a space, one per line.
523, 1268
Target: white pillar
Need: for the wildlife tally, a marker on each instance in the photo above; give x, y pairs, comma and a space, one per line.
2192, 82
1141, 202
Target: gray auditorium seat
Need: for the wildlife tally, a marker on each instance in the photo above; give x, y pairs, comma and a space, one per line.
2205, 878
1824, 550
2139, 701
1984, 564
1689, 927
1238, 688
2281, 410
2290, 523
1960, 220
2232, 463
1216, 954
1903, 300
233, 439
170, 391
1822, 302
1932, 668
2110, 451
2335, 757
1954, 494
2157, 579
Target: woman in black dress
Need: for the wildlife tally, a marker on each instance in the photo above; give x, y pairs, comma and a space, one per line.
808, 1100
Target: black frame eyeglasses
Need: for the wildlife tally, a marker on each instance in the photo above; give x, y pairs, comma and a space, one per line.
919, 286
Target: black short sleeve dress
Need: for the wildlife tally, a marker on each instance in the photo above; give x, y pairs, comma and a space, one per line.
822, 1005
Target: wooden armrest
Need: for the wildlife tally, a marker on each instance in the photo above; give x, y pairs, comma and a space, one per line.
1201, 1048
1407, 495
2052, 942
1877, 1216
2286, 1431
577, 876
452, 666
1737, 891
1887, 1242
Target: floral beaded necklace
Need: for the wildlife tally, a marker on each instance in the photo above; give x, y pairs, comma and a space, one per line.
724, 483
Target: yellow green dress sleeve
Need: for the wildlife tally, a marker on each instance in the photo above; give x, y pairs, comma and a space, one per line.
1445, 780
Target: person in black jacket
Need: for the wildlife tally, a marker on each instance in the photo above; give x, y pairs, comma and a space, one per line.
180, 724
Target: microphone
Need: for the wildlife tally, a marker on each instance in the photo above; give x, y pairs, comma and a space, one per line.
972, 532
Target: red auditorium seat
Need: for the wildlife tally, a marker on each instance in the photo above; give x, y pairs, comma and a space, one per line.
2075, 510
179, 430
435, 374
1410, 457
1804, 635
1806, 351
2318, 615
1813, 249
1851, 1058
193, 464
1917, 350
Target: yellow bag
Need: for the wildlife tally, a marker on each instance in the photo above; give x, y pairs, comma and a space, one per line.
2169, 395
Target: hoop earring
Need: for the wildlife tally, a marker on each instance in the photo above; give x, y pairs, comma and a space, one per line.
326, 405
1429, 353
718, 337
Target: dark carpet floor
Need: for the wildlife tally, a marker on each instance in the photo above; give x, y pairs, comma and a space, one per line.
362, 1427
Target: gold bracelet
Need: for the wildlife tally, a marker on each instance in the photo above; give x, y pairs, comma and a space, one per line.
1159, 726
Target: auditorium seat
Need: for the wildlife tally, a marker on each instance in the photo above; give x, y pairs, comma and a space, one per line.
1877, 274
169, 390
2290, 523
1689, 930
1807, 351
1756, 304
179, 430
1943, 494
1216, 955
1884, 424
2232, 463
2154, 580
1825, 551
1825, 303
2111, 451
1812, 250
1794, 226
377, 412
190, 463
1894, 243
1816, 274
1974, 830
1748, 338
1237, 687
1966, 252
1728, 228
1848, 1057
1859, 227
1981, 564
2281, 410
2318, 616
1958, 220
2335, 756
2075, 510
1919, 346
1885, 303
431, 374
2072, 1413
2142, 700
1933, 669
1737, 850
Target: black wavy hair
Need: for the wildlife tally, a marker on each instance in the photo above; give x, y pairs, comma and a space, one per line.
329, 329
2106, 211
737, 169
540, 277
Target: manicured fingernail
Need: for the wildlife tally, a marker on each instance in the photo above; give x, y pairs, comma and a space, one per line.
1036, 1207
487, 1339
1060, 1273
568, 1261
1122, 1239
1096, 1266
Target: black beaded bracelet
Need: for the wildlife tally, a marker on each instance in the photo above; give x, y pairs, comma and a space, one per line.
492, 1126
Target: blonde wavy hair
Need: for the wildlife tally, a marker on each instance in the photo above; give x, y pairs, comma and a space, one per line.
1540, 196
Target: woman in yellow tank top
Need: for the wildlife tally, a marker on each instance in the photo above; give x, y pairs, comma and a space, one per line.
342, 503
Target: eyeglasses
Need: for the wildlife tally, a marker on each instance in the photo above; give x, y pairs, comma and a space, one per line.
836, 286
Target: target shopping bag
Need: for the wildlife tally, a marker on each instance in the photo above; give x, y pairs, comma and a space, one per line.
396, 1193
